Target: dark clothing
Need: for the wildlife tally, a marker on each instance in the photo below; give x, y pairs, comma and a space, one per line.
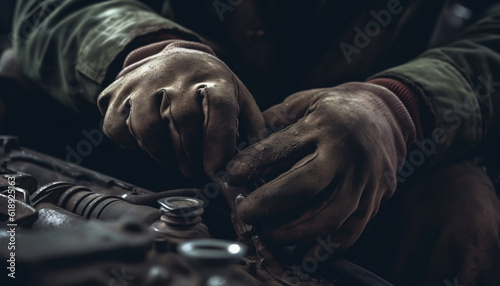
75, 48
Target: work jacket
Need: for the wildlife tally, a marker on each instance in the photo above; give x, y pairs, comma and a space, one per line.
75, 48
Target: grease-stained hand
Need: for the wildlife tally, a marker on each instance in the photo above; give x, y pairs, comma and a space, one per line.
326, 167
183, 106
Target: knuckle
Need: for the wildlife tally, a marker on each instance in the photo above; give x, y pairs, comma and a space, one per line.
103, 101
221, 94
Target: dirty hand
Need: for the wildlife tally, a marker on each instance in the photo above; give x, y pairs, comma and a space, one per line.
327, 170
180, 104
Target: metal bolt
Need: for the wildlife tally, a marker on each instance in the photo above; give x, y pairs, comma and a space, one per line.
181, 211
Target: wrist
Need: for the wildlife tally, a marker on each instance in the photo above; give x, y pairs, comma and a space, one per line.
407, 97
145, 53
390, 106
384, 104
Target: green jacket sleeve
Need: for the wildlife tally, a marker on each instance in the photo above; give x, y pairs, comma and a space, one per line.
460, 85
67, 46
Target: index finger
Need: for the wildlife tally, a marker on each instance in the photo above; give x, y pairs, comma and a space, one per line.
305, 172
226, 115
220, 125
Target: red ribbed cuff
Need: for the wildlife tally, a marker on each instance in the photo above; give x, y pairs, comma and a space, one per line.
409, 99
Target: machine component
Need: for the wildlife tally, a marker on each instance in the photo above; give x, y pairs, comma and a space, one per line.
214, 257
47, 255
47, 169
152, 199
180, 220
50, 192
121, 239
84, 202
181, 211
88, 204
52, 217
22, 180
24, 214
92, 252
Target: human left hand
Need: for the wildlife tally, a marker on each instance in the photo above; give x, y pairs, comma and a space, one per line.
327, 167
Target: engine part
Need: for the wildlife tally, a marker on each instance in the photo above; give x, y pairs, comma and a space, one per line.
213, 257
52, 217
44, 253
180, 220
15, 211
122, 240
152, 199
84, 202
50, 192
47, 169
22, 180
98, 253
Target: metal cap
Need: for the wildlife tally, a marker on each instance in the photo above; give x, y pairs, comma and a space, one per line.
181, 204
212, 250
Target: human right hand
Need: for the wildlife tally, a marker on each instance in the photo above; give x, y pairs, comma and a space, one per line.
180, 105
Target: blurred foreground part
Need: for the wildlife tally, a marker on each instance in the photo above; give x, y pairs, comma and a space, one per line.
75, 226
